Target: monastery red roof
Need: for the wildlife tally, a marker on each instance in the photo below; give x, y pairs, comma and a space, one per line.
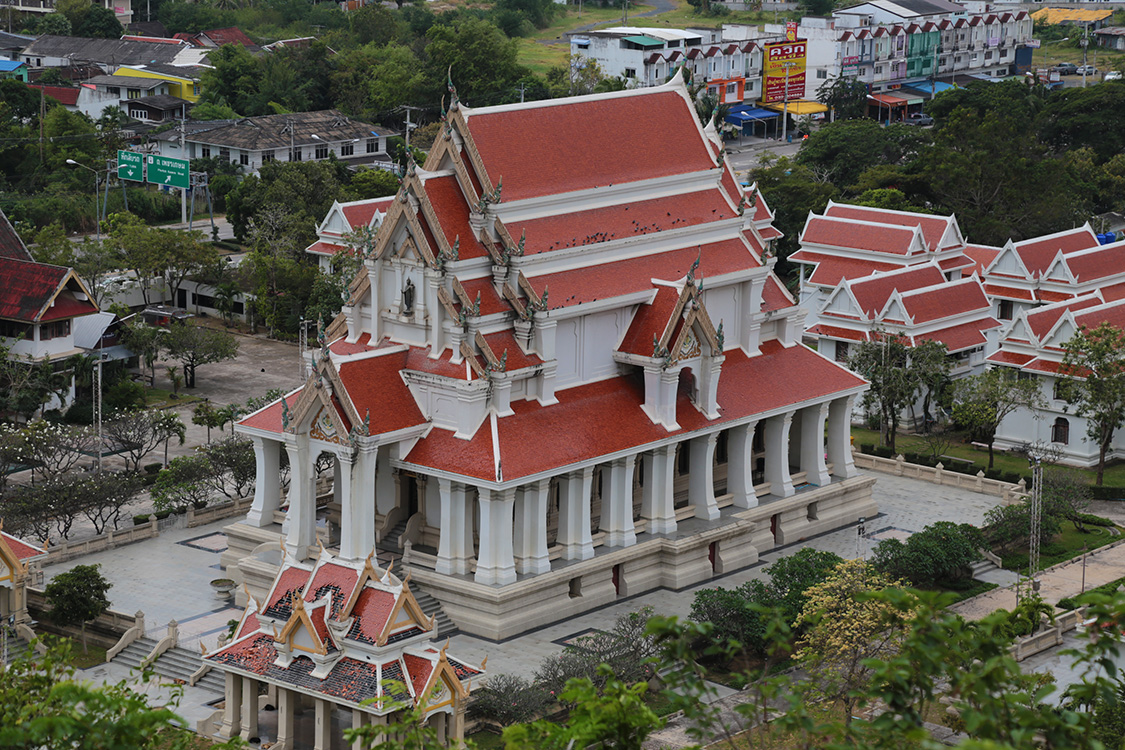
374, 385
320, 247
933, 227
1004, 357
618, 222
835, 332
372, 609
64, 95
960, 337
339, 580
229, 35
876, 238
20, 548
490, 301
66, 305
534, 147
1038, 253
605, 417
28, 287
505, 341
1009, 292
981, 255
289, 582
1041, 321
1113, 314
774, 296
1113, 292
1050, 367
650, 322
830, 269
1045, 295
872, 292
634, 275
453, 215
946, 300
360, 214
1097, 263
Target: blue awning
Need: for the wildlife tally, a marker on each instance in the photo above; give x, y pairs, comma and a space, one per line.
743, 116
927, 87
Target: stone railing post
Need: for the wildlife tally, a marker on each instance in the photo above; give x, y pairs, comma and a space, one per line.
980, 481
900, 460
140, 621
407, 547
937, 472
174, 632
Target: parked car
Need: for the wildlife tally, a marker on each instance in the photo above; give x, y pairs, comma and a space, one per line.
1112, 75
918, 118
1088, 70
1067, 69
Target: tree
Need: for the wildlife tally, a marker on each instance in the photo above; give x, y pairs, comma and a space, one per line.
842, 150
792, 190
235, 466
845, 627
232, 78
54, 24
1094, 367
931, 360
845, 97
194, 346
483, 61
939, 555
138, 432
205, 111
146, 342
984, 401
885, 362
55, 449
99, 23
188, 480
77, 596
107, 495
374, 183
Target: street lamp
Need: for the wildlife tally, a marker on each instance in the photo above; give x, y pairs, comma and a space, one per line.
97, 210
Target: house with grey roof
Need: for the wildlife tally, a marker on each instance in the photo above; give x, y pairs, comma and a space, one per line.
52, 51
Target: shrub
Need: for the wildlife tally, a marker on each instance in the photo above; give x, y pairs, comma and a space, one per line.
993, 473
1091, 520
153, 468
1106, 589
940, 553
911, 458
868, 448
162, 514
1104, 493
627, 649
1012, 477
508, 699
883, 451
123, 395
140, 519
80, 412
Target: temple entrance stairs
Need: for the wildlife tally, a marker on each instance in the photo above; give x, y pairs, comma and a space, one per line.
432, 607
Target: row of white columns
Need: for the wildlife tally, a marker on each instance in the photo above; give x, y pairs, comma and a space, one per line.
512, 522
513, 528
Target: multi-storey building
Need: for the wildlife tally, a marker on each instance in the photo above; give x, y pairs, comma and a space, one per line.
567, 374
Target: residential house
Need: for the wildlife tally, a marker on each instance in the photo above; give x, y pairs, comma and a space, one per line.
1091, 18
13, 69
100, 92
1111, 38
183, 80
122, 9
218, 37
574, 347
108, 54
157, 108
342, 220
300, 136
11, 45
67, 96
339, 635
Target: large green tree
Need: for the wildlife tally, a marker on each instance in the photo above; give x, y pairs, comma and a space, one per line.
885, 363
984, 401
843, 150
195, 345
77, 596
1094, 363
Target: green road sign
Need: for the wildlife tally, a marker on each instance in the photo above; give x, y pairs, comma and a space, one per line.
167, 170
130, 166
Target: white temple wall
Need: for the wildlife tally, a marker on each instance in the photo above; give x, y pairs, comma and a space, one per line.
584, 346
723, 305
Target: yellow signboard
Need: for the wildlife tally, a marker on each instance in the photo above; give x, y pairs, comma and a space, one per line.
784, 71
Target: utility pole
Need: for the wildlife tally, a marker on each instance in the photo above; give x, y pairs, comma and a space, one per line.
1036, 519
98, 408
1085, 46
785, 105
183, 150
409, 125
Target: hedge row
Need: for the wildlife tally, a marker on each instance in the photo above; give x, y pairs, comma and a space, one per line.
1074, 602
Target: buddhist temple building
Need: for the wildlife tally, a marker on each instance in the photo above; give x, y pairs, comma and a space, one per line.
566, 374
331, 636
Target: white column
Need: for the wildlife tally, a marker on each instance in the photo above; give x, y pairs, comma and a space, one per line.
740, 465
777, 454
657, 504
574, 515
701, 477
455, 542
812, 444
249, 708
286, 719
617, 508
337, 484
357, 513
496, 565
267, 482
302, 501
232, 712
531, 553
839, 437
359, 718
322, 731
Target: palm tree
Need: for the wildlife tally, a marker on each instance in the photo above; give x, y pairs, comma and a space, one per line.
225, 297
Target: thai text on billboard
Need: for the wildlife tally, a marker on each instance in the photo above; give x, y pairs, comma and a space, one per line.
784, 61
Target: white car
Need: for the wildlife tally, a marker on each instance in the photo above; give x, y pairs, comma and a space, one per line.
1088, 70
1112, 75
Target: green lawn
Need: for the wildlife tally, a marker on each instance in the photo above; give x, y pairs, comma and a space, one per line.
1114, 473
1066, 546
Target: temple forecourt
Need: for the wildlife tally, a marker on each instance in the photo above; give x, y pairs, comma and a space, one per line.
566, 374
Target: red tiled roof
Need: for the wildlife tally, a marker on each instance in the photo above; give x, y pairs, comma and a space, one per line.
1038, 253
11, 245
374, 385
372, 609
960, 337
1111, 314
66, 305
269, 418
20, 548
505, 341
1043, 320
1113, 292
344, 348
933, 227
419, 670
872, 292
534, 148
360, 214
340, 580
981, 255
1097, 263
1043, 295
64, 95
453, 215
945, 300
490, 302
835, 332
620, 221
230, 35
957, 261
605, 417
290, 580
320, 247
650, 322
1008, 292
249, 625
418, 359
830, 269
1044, 365
27, 287
877, 238
623, 277
1003, 357
774, 296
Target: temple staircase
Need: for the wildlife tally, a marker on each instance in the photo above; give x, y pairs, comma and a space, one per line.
175, 664
432, 607
392, 542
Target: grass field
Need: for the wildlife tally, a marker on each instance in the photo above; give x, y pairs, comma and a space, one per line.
1114, 473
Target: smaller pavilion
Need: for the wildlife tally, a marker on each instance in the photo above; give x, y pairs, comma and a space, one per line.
340, 635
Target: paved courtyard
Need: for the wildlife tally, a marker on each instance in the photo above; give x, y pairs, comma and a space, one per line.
169, 578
